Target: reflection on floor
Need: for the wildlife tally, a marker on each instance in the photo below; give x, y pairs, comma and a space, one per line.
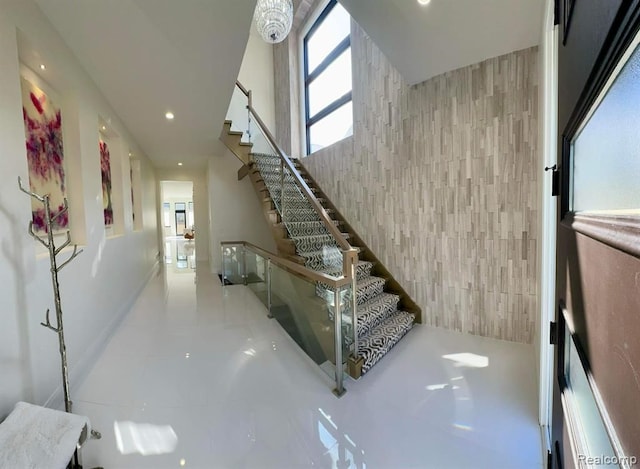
179, 253
206, 364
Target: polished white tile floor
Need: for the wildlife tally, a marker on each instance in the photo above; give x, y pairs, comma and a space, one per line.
238, 393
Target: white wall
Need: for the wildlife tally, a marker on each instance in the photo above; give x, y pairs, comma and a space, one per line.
101, 284
200, 205
256, 74
236, 214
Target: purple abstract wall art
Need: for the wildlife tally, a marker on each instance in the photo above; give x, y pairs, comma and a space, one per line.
45, 153
105, 169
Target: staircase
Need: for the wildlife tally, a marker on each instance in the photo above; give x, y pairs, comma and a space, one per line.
384, 313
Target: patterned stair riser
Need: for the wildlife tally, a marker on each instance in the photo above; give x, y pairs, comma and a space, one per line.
313, 228
274, 187
375, 311
289, 191
272, 160
368, 289
292, 204
314, 243
300, 215
363, 270
329, 258
375, 345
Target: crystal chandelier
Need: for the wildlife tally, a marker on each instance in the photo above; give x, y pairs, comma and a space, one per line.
273, 19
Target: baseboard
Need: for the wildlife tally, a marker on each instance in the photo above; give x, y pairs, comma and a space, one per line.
79, 371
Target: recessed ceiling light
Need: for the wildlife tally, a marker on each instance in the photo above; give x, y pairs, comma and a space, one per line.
169, 115
104, 127
179, 164
42, 67
130, 154
423, 2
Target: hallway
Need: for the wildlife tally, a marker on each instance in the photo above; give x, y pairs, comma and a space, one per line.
238, 392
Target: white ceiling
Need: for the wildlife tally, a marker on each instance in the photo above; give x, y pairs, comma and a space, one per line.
425, 41
150, 56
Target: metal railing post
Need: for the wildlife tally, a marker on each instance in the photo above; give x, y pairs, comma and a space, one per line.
354, 303
350, 271
244, 266
224, 272
337, 322
249, 105
282, 190
269, 288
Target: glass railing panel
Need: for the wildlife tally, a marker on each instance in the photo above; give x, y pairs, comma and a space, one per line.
305, 316
256, 278
238, 113
259, 140
233, 264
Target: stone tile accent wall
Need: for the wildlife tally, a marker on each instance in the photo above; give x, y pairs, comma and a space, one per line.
441, 181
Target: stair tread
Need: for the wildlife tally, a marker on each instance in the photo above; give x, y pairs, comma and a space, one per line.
311, 209
366, 307
310, 237
316, 222
334, 272
371, 280
319, 252
383, 337
375, 311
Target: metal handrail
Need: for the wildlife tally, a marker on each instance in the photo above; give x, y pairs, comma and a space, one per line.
315, 203
242, 88
302, 271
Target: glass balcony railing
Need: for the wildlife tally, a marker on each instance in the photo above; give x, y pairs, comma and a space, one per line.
243, 120
312, 307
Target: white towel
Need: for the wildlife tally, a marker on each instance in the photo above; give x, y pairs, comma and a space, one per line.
34, 437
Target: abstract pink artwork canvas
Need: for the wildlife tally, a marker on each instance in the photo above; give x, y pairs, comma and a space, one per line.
43, 132
105, 169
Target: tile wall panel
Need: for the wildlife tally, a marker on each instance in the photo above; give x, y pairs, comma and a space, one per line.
441, 181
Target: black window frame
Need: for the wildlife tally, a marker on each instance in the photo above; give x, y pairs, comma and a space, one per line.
310, 77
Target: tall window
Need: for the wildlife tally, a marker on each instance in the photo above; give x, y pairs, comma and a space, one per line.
327, 78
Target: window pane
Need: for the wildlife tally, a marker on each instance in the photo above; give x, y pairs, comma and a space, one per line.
181, 206
584, 410
335, 27
330, 129
606, 153
332, 83
166, 209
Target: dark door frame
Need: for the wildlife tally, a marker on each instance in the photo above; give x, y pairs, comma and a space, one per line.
621, 233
